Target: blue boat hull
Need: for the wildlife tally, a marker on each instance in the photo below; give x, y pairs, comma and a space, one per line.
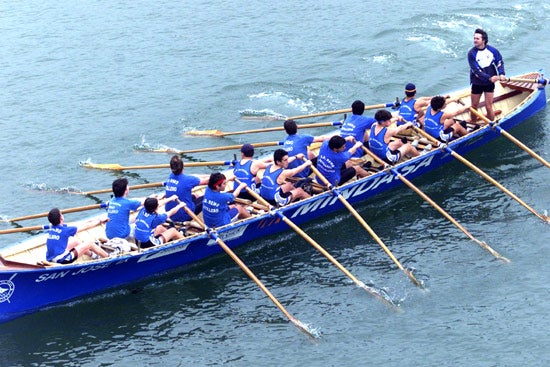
23, 291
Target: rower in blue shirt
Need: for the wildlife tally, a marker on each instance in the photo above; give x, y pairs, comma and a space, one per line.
295, 144
356, 125
275, 187
333, 160
218, 208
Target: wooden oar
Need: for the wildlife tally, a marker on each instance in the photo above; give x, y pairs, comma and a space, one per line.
510, 137
526, 80
248, 272
472, 166
335, 112
64, 211
319, 248
483, 244
23, 229
267, 129
118, 167
365, 225
135, 187
213, 149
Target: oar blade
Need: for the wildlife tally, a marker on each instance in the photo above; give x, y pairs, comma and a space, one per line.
205, 133
102, 166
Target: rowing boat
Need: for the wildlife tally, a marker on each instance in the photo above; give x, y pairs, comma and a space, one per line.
28, 283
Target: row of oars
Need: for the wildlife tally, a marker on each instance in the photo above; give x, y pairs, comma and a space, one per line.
275, 212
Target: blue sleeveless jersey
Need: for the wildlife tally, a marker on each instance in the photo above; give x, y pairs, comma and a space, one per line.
269, 183
377, 143
432, 123
243, 172
407, 111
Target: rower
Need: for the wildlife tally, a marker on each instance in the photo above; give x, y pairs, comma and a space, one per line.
334, 161
296, 144
149, 223
218, 208
182, 185
441, 124
246, 170
357, 126
380, 139
275, 188
412, 109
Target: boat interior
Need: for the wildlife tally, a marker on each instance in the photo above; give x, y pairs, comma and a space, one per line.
508, 97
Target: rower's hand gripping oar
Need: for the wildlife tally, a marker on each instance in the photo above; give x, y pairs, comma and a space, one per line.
495, 126
319, 248
268, 129
365, 225
212, 234
473, 167
391, 170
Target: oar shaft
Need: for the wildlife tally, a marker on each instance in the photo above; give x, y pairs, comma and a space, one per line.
365, 225
230, 147
135, 187
319, 248
267, 129
22, 229
485, 176
511, 138
117, 167
336, 112
437, 207
281, 128
248, 272
64, 211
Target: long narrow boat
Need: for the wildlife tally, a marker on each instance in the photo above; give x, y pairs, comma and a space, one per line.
28, 283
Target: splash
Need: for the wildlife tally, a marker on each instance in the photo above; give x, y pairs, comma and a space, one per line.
311, 331
265, 114
153, 148
58, 190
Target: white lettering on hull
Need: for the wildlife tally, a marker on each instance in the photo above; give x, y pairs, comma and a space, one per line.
361, 189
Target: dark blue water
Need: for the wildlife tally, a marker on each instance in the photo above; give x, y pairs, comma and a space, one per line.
89, 80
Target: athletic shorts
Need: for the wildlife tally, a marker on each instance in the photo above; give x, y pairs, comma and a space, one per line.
479, 89
282, 198
393, 155
67, 257
153, 241
446, 135
346, 174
